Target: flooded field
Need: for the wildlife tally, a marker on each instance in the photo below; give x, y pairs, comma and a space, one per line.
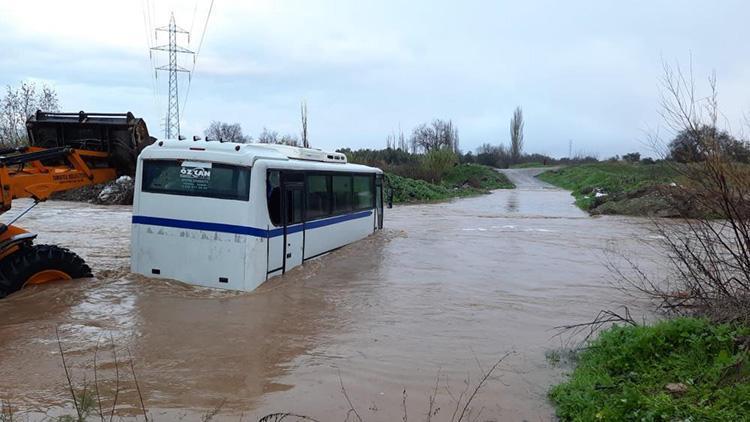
440, 295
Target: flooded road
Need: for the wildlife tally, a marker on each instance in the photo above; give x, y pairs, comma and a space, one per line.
440, 295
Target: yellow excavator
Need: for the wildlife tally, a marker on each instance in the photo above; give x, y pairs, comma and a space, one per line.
66, 151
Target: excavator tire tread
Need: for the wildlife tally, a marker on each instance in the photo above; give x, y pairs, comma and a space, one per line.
17, 268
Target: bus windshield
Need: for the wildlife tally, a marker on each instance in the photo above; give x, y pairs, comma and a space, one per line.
196, 178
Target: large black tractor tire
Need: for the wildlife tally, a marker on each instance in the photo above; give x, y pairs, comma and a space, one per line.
123, 155
125, 146
19, 268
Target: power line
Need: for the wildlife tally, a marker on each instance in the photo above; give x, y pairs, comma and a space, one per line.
205, 25
147, 27
192, 21
147, 12
152, 13
195, 58
172, 123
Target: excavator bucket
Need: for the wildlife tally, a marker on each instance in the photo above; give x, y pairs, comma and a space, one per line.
121, 135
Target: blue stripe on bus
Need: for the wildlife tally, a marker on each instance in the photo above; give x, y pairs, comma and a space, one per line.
199, 225
245, 230
338, 219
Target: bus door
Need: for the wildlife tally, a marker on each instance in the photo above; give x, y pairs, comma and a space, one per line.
293, 188
379, 199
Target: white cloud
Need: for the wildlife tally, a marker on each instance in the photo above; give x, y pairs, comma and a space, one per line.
584, 70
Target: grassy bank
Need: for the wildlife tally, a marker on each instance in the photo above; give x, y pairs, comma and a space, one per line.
617, 187
476, 176
532, 164
682, 369
460, 181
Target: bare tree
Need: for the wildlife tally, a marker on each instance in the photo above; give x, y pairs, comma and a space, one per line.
303, 115
493, 155
47, 100
402, 140
390, 141
268, 137
10, 124
516, 134
20, 103
439, 134
485, 148
273, 137
226, 132
290, 140
709, 250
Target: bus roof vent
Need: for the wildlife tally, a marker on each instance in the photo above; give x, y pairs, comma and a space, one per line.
308, 154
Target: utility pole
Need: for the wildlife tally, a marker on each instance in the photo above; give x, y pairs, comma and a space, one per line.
172, 126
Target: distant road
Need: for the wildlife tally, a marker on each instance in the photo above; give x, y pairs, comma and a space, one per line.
526, 178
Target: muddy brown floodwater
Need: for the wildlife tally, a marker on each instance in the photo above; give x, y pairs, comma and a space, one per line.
440, 294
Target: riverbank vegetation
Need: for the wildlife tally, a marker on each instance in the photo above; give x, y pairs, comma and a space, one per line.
533, 164
682, 369
663, 188
696, 364
434, 176
460, 181
620, 187
428, 165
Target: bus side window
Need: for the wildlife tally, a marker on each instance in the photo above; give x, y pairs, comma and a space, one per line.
294, 206
364, 193
342, 193
273, 192
318, 196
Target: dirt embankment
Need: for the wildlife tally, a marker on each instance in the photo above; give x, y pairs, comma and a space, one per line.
635, 189
116, 192
651, 201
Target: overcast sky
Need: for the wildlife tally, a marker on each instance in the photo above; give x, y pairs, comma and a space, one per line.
582, 70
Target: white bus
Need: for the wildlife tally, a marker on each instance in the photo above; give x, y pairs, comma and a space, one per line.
231, 216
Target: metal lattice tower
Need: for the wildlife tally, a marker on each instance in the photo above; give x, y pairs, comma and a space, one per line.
172, 121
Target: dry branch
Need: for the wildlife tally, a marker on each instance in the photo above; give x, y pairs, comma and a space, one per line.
604, 319
67, 374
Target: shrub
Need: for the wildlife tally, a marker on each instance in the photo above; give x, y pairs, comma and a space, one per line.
632, 157
476, 176
410, 190
622, 375
437, 162
709, 255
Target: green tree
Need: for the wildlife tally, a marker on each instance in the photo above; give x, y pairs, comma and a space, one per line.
693, 144
516, 135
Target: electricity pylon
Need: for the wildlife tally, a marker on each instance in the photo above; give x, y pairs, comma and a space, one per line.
172, 126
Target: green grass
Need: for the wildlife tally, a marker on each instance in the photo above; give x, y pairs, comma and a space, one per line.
613, 178
533, 164
460, 181
476, 176
414, 190
623, 374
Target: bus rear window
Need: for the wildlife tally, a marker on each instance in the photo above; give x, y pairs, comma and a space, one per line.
195, 178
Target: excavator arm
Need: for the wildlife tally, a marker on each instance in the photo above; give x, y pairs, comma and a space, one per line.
24, 174
67, 151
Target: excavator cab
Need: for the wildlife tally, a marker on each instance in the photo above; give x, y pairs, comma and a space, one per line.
66, 151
